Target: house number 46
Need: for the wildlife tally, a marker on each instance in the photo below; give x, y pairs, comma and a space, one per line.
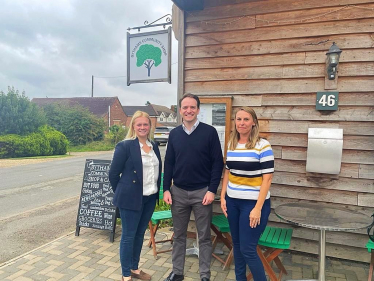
327, 101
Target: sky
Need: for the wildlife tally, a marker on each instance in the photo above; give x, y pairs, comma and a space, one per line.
51, 48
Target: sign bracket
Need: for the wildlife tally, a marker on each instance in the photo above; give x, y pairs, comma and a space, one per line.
146, 25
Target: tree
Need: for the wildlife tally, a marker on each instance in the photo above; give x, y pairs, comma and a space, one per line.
18, 115
76, 122
147, 103
148, 55
116, 133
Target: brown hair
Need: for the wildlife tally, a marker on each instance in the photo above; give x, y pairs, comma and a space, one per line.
190, 96
253, 137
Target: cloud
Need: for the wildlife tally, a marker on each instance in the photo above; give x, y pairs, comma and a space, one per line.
52, 48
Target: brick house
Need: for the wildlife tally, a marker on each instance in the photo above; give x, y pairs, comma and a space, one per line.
130, 110
165, 116
108, 108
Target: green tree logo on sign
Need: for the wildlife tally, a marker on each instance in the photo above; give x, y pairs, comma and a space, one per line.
148, 55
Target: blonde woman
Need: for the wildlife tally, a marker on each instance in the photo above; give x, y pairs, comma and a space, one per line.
245, 197
135, 176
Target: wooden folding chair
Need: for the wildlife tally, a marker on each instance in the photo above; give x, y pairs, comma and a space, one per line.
220, 227
154, 223
272, 242
370, 247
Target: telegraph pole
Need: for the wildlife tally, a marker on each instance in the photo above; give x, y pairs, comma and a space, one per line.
92, 86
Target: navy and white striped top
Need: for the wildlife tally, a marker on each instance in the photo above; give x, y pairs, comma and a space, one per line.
246, 169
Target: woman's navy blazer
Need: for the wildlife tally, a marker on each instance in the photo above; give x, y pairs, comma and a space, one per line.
126, 174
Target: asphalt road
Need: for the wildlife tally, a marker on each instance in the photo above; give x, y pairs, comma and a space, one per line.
39, 202
23, 188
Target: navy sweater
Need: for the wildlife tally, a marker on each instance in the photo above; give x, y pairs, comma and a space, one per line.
193, 161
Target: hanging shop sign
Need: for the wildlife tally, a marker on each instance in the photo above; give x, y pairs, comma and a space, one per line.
149, 57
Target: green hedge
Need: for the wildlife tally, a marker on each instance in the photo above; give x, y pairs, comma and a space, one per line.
46, 141
57, 140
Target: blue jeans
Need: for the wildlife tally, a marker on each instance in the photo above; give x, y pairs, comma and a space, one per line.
245, 238
134, 225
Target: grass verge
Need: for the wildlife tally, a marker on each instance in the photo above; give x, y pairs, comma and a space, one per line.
38, 157
92, 146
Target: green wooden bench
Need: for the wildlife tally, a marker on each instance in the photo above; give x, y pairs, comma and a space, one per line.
272, 242
154, 223
370, 247
221, 228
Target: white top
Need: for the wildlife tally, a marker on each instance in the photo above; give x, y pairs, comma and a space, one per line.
150, 170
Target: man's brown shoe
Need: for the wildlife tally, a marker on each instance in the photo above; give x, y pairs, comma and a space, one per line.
142, 275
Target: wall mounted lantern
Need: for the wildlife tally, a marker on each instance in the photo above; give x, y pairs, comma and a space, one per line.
333, 56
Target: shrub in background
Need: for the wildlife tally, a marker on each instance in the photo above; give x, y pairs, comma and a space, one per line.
77, 123
9, 144
46, 141
116, 134
18, 115
57, 140
33, 144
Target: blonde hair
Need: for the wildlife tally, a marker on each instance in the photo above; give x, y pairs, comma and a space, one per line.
131, 133
253, 137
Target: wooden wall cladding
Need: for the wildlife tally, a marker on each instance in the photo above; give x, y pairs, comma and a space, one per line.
229, 8
271, 55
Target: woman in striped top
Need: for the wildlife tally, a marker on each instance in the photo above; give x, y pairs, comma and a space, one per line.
245, 196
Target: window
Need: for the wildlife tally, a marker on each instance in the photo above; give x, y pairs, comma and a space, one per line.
216, 111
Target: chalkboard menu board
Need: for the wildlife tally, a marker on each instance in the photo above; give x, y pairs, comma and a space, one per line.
96, 209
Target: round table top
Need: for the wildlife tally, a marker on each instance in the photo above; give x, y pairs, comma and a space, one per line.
318, 216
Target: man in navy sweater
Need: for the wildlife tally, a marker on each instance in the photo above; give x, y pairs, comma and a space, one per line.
194, 163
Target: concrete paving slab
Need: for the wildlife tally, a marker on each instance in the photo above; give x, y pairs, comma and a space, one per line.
92, 257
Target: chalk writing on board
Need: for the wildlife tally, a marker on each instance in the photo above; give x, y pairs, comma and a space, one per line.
95, 205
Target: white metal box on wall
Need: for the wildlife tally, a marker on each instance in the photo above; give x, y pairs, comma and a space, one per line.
325, 148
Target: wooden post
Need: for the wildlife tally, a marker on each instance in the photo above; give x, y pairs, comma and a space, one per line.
179, 31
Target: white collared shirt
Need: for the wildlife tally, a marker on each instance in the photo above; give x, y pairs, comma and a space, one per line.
192, 129
150, 170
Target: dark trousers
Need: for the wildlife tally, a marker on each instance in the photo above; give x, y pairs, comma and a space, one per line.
245, 238
183, 203
134, 225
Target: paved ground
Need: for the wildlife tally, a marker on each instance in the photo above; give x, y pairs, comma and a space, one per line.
92, 257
